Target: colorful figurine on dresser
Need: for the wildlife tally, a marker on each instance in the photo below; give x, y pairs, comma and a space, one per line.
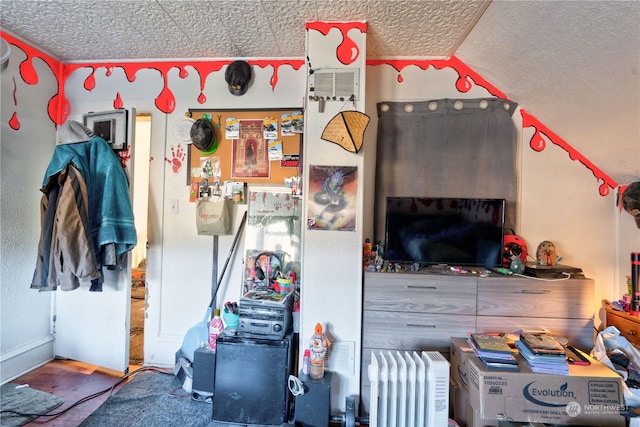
319, 345
546, 254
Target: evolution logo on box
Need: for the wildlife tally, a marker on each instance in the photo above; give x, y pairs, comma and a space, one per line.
541, 396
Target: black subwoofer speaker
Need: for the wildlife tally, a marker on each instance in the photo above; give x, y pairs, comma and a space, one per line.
204, 368
313, 408
251, 380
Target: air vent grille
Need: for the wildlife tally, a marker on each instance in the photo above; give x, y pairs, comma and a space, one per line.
335, 84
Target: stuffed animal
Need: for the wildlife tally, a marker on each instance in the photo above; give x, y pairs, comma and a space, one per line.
546, 253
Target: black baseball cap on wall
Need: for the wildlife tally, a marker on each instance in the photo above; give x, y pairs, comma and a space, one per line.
203, 136
238, 77
631, 200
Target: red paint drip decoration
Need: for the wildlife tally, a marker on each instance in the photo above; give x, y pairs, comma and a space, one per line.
295, 64
15, 93
347, 51
90, 81
57, 103
466, 76
59, 107
537, 143
165, 101
117, 103
14, 123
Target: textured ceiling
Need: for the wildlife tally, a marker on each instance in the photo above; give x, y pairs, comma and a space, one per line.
72, 30
575, 65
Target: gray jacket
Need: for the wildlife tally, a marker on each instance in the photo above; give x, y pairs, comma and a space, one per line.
66, 252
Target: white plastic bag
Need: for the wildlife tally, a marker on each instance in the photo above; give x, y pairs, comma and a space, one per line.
609, 339
212, 216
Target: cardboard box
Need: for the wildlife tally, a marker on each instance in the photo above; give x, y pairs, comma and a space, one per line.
459, 405
519, 424
590, 396
459, 351
462, 412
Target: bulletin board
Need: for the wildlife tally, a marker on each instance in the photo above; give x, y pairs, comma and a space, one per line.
246, 158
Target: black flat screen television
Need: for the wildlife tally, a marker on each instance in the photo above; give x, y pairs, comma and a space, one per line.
444, 231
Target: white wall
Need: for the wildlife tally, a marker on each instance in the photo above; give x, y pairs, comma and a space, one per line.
581, 223
332, 259
26, 340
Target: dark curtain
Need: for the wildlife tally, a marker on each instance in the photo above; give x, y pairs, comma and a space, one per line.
446, 148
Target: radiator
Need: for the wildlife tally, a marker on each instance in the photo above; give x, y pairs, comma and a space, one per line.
409, 389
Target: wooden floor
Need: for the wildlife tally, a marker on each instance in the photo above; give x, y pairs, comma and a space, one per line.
72, 381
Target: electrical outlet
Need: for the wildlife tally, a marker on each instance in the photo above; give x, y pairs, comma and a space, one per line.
173, 206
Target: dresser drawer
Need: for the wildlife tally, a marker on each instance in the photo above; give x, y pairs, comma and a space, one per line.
413, 331
511, 296
628, 325
399, 293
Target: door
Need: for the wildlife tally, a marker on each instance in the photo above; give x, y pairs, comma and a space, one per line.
93, 327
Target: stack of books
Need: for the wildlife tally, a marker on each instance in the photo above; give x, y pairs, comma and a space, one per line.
494, 352
543, 353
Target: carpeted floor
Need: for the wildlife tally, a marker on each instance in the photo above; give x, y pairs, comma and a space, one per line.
24, 400
151, 399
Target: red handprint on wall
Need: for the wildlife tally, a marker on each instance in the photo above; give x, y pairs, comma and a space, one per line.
124, 157
177, 158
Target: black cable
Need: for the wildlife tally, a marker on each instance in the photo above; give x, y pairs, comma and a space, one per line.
89, 397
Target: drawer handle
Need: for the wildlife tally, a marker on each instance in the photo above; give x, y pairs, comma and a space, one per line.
421, 287
415, 325
533, 292
631, 332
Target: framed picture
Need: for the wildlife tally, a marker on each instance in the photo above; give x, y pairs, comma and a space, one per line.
332, 198
110, 126
250, 157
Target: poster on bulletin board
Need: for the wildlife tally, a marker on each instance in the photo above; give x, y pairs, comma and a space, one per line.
254, 146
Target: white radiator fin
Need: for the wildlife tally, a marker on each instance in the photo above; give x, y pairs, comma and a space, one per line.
409, 389
438, 369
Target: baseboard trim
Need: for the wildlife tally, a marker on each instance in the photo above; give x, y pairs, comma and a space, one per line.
23, 359
161, 351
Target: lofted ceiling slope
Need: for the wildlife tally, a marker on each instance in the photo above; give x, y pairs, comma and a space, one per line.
574, 65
